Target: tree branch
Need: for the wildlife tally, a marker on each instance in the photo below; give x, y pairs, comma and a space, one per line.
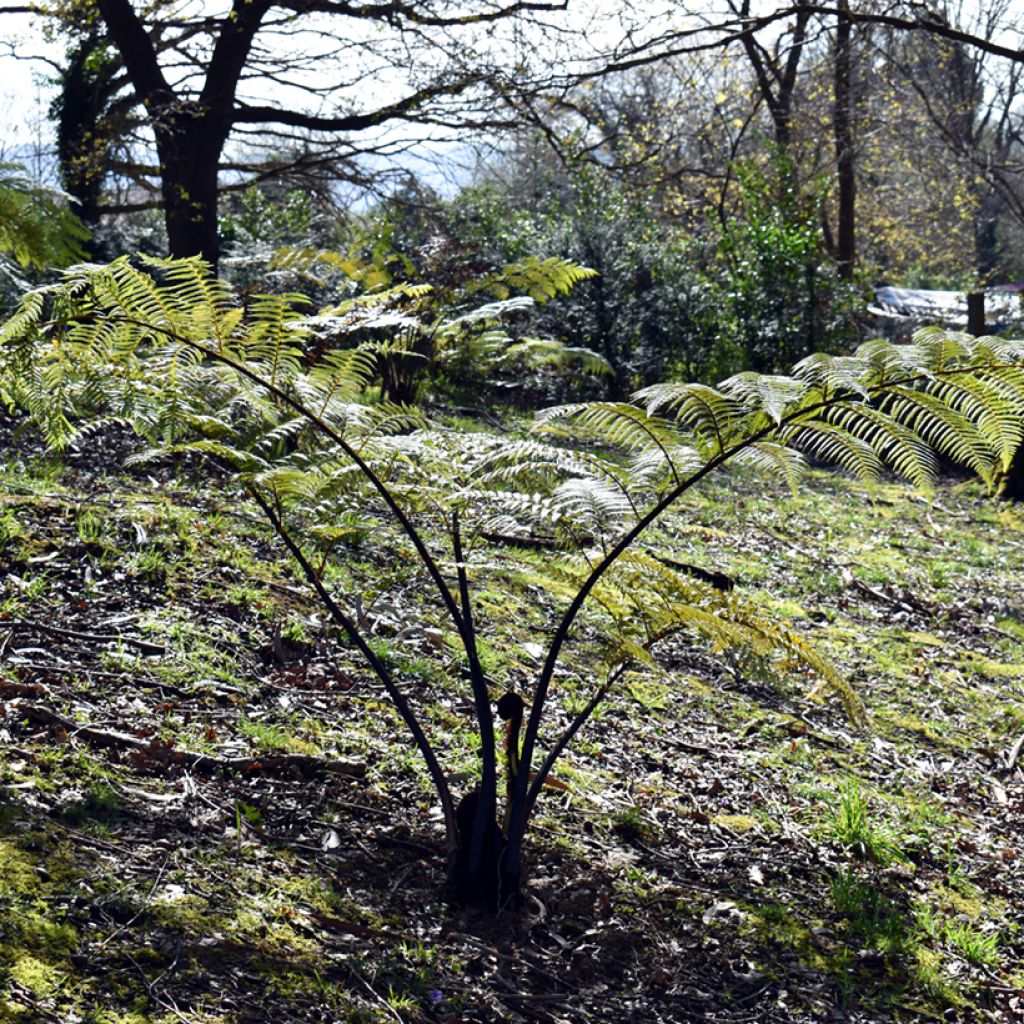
398, 11
136, 50
401, 110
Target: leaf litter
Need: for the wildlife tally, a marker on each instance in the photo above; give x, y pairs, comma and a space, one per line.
208, 813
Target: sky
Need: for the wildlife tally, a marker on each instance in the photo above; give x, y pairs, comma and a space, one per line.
26, 135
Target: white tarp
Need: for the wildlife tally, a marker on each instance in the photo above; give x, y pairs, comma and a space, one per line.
948, 307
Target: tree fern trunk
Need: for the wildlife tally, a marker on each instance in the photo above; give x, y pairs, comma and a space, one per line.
476, 877
1012, 485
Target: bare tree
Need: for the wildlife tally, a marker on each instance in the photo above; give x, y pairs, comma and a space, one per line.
323, 81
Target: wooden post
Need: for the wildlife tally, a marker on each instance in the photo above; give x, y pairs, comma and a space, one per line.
976, 313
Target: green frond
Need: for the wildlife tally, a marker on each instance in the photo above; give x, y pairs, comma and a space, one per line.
683, 460
895, 444
618, 424
835, 375
991, 402
543, 352
372, 274
774, 459
237, 458
539, 279
943, 427
708, 412
830, 444
593, 506
36, 226
517, 513
642, 591
775, 395
489, 313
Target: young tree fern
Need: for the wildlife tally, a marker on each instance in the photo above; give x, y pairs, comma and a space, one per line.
462, 332
163, 346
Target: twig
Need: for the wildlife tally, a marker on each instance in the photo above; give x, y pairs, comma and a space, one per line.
162, 753
76, 670
391, 1011
74, 634
1014, 754
877, 595
149, 896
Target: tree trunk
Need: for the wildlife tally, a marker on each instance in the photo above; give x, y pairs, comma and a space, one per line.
190, 133
845, 165
189, 158
478, 881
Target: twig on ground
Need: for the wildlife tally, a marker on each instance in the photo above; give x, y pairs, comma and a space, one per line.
1014, 754
73, 634
162, 753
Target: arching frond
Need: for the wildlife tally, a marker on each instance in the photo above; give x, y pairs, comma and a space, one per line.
895, 444
618, 424
710, 413
539, 279
834, 446
36, 226
542, 352
774, 394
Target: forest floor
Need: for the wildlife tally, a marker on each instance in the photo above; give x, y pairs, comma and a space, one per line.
209, 812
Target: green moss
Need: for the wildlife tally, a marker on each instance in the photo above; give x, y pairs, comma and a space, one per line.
786, 608
924, 639
956, 902
269, 934
909, 723
36, 976
1013, 626
929, 974
45, 935
651, 694
737, 822
119, 1017
17, 871
990, 668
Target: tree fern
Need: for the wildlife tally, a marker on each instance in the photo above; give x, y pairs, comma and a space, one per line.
420, 327
161, 345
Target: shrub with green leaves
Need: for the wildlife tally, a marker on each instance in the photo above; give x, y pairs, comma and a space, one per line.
165, 347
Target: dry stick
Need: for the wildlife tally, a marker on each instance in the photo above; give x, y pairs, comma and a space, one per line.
388, 1008
142, 909
77, 670
74, 634
1014, 754
352, 631
196, 761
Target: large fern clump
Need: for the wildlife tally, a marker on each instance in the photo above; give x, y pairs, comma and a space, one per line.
466, 334
168, 349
